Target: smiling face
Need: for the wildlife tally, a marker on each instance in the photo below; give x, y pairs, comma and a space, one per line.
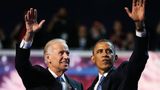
57, 56
103, 56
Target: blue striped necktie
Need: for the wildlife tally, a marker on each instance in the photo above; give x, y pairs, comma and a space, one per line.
99, 87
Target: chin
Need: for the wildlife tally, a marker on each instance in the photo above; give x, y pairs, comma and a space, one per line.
107, 66
65, 67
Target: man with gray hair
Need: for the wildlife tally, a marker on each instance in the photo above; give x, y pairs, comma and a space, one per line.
56, 56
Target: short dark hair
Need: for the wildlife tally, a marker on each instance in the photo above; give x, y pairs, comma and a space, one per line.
103, 40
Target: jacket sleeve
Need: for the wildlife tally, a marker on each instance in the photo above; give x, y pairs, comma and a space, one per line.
136, 63
26, 71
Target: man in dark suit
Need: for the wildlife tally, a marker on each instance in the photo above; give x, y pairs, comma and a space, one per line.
56, 55
127, 75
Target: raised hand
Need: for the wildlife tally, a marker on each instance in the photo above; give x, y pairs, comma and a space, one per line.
31, 21
138, 10
31, 24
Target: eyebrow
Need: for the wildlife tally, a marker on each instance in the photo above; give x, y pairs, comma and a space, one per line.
67, 51
99, 49
109, 49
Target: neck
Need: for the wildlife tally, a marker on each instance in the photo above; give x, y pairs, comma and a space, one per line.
57, 72
104, 71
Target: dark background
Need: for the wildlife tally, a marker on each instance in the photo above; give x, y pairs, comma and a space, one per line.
80, 11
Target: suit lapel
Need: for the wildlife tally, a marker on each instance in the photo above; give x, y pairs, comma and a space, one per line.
93, 84
110, 72
71, 83
105, 82
50, 76
105, 85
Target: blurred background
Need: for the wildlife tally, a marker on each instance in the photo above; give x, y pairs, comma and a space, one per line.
81, 23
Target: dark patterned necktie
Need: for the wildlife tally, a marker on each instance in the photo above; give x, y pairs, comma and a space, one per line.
60, 79
99, 87
65, 85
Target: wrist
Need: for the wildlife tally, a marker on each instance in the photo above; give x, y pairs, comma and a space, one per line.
139, 25
29, 36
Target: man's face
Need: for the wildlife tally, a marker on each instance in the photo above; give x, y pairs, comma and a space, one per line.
103, 56
59, 57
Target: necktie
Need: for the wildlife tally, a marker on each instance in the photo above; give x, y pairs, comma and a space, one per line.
99, 87
60, 79
65, 85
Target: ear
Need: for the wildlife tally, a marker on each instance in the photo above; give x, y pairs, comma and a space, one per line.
116, 58
47, 58
92, 59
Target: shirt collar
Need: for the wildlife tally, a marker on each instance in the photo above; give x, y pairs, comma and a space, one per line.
100, 75
55, 76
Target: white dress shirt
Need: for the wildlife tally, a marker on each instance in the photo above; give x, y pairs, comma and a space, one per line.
99, 77
65, 85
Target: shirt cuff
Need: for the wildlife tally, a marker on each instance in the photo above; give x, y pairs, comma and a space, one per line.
141, 34
25, 45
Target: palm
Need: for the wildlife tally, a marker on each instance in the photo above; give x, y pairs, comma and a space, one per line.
138, 10
31, 21
137, 13
32, 26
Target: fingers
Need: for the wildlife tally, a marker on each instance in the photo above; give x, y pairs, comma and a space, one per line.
35, 14
134, 3
27, 16
141, 3
144, 3
138, 2
31, 15
128, 12
41, 23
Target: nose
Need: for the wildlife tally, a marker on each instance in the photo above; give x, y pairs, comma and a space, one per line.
105, 54
66, 56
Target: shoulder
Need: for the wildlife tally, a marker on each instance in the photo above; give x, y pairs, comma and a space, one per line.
41, 70
122, 67
74, 82
123, 64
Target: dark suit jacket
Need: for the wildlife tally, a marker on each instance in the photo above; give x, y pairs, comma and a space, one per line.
37, 77
127, 75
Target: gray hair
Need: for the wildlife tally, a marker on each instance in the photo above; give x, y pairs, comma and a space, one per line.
52, 42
